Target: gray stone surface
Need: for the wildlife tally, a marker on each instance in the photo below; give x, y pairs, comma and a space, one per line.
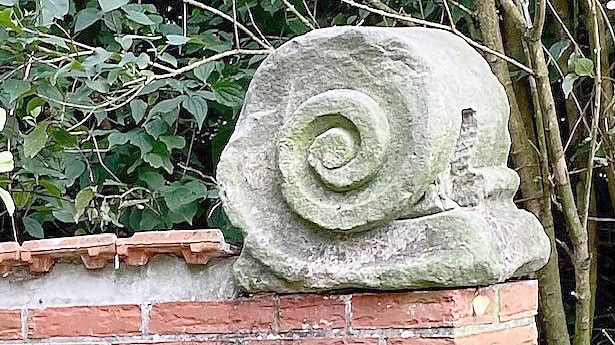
164, 278
376, 158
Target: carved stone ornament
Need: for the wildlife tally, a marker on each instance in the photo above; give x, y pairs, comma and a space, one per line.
376, 158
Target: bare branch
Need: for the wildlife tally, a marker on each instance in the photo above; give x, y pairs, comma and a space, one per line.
229, 18
291, 8
596, 114
540, 13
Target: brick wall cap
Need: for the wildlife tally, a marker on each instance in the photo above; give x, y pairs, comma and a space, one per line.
9, 250
9, 256
161, 238
196, 246
68, 243
95, 251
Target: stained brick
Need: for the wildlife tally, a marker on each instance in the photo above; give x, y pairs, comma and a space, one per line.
526, 335
242, 315
421, 309
84, 321
10, 324
518, 300
312, 312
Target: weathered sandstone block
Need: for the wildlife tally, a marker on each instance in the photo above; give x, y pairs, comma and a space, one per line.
376, 158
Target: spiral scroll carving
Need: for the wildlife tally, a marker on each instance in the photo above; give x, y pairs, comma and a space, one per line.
353, 166
341, 137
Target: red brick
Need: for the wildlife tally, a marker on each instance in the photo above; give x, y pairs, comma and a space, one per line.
422, 341
312, 312
421, 309
183, 343
322, 341
316, 341
518, 300
242, 315
526, 335
10, 324
84, 321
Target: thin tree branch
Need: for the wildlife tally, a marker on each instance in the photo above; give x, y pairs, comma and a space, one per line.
291, 8
540, 13
596, 113
229, 18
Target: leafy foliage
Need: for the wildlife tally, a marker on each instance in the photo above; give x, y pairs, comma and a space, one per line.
113, 126
119, 110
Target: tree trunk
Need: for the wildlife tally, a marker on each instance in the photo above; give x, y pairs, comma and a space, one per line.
526, 163
578, 233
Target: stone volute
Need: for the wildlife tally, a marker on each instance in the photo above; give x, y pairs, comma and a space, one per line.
376, 158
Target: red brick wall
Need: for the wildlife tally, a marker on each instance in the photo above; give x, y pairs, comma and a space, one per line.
501, 314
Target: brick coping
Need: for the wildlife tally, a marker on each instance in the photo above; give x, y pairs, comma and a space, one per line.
96, 251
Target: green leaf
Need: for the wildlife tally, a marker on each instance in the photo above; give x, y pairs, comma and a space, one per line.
118, 138
6, 19
159, 157
197, 106
8, 201
52, 9
139, 17
173, 141
204, 71
22, 199
137, 109
583, 67
141, 61
156, 127
166, 106
153, 179
568, 84
98, 85
33, 227
36, 140
168, 58
157, 161
65, 213
2, 118
184, 213
177, 196
124, 41
137, 137
87, 17
83, 199
7, 163
177, 40
54, 41
62, 137
73, 171
149, 220
113, 21
15, 88
110, 5
228, 93
100, 56
558, 48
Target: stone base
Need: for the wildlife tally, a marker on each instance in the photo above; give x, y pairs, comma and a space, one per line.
501, 314
462, 247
